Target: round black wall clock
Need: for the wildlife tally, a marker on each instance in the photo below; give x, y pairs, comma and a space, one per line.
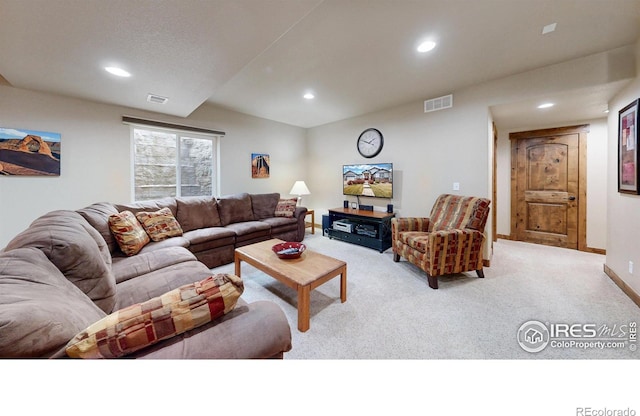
370, 142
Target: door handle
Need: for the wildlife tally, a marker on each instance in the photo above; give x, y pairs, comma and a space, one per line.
572, 198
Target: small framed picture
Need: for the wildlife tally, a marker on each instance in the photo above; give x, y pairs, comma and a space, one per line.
259, 165
628, 170
354, 205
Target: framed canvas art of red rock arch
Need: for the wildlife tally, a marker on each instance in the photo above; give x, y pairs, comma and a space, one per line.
26, 152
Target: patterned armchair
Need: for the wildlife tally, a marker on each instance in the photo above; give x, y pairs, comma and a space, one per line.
449, 241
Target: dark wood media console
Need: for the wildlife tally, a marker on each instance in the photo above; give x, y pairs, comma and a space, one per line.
366, 228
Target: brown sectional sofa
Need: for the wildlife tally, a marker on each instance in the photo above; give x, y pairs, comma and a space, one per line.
66, 271
212, 227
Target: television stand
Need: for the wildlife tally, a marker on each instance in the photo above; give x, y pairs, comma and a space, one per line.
366, 228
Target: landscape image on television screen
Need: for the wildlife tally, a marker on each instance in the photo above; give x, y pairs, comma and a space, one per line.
368, 179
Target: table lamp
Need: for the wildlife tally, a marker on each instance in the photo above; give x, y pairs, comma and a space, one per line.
300, 188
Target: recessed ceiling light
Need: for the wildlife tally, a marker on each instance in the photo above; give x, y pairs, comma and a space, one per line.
546, 105
117, 71
309, 96
426, 46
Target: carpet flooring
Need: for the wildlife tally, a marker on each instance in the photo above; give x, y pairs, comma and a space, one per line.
391, 313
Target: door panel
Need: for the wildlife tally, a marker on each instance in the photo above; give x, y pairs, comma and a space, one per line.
547, 190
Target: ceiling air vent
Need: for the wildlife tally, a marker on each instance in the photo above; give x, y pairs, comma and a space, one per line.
152, 98
439, 103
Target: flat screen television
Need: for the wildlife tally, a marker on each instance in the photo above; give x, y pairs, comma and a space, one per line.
368, 179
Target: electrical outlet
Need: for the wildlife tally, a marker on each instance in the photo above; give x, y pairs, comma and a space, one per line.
630, 267
456, 186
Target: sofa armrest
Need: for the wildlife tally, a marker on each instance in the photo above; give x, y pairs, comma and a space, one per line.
255, 330
467, 243
300, 212
401, 224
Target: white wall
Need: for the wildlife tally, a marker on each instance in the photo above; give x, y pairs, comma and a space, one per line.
597, 149
285, 145
428, 151
95, 154
94, 161
623, 210
431, 151
598, 69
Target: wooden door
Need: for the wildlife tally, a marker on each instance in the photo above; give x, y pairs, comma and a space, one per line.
548, 175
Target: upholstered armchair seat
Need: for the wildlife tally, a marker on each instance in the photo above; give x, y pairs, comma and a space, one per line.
449, 241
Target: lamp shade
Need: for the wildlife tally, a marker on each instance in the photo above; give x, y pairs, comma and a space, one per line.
300, 188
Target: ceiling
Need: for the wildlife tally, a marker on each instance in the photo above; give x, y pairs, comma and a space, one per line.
260, 56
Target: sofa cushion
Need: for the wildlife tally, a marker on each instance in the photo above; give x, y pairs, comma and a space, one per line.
77, 250
175, 312
125, 268
40, 310
98, 216
417, 240
151, 205
264, 205
279, 224
128, 231
195, 212
249, 229
232, 336
286, 207
153, 284
169, 242
235, 208
160, 224
211, 234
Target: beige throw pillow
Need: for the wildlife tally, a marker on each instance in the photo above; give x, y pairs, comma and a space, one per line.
286, 207
160, 224
129, 234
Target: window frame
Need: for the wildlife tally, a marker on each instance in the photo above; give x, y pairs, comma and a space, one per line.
193, 133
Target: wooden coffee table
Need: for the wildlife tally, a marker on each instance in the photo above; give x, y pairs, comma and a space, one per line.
303, 274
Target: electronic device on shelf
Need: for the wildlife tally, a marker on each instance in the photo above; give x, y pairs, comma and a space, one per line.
344, 225
367, 229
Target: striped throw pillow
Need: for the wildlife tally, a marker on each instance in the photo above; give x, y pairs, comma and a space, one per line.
177, 311
160, 224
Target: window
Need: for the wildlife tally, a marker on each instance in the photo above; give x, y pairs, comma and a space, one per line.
173, 163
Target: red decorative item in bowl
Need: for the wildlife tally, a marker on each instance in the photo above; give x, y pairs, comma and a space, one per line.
289, 250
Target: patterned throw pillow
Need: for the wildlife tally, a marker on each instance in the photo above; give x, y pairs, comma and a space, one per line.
286, 207
129, 234
159, 225
140, 325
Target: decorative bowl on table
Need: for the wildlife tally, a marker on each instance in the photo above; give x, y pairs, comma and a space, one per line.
289, 250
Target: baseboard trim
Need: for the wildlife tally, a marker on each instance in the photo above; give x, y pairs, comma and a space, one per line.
588, 249
596, 250
622, 285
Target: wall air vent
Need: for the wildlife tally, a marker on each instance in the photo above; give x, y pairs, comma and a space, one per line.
439, 103
152, 98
